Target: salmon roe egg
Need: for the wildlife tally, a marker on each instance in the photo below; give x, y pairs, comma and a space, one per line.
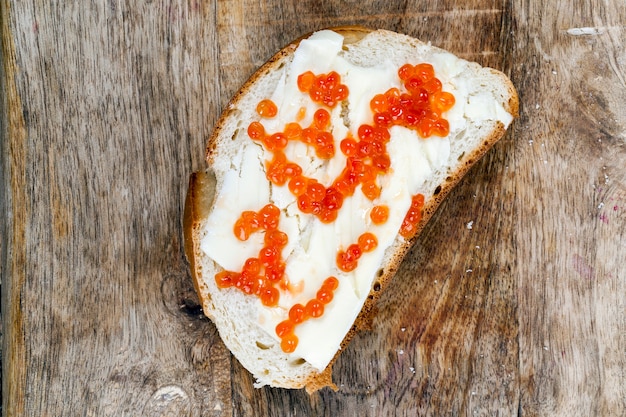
298, 185
315, 191
370, 190
289, 343
348, 146
247, 223
379, 214
268, 217
314, 308
324, 295
276, 238
266, 108
297, 313
442, 101
269, 296
367, 242
321, 119
256, 131
293, 131
379, 103
305, 81
225, 279
284, 328
331, 283
252, 267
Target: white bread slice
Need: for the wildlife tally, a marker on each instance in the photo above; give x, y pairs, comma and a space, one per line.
488, 103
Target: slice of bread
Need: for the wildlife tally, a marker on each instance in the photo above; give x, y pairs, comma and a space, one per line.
485, 104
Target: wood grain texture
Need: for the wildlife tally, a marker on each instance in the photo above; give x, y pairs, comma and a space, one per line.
511, 303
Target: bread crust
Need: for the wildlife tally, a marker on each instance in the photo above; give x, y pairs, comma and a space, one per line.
202, 189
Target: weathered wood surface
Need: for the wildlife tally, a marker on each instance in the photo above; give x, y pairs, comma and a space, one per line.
511, 303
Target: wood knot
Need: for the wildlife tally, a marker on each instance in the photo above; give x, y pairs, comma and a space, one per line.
180, 297
170, 400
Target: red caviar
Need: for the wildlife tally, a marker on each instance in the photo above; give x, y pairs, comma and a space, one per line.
256, 131
324, 88
324, 295
299, 313
379, 214
348, 260
259, 275
321, 119
247, 223
314, 308
413, 216
315, 135
419, 106
289, 343
284, 328
367, 242
266, 108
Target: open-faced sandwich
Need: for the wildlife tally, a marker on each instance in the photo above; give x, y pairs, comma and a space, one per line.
321, 173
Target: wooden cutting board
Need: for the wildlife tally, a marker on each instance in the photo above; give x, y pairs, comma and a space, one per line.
510, 304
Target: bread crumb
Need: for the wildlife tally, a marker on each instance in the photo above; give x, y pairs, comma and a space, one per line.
470, 224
